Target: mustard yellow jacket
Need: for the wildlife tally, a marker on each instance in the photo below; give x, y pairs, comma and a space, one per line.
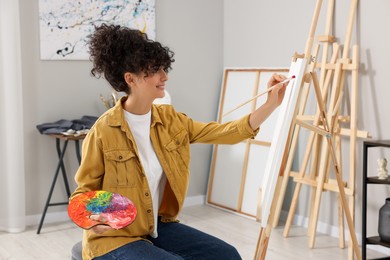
110, 161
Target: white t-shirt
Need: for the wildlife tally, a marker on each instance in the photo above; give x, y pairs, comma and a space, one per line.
140, 128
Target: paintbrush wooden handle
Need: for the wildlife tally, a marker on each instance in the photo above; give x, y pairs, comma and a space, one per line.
258, 95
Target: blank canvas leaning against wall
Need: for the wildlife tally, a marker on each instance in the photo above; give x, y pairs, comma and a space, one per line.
237, 170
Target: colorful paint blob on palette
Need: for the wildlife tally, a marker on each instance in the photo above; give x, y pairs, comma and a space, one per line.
117, 210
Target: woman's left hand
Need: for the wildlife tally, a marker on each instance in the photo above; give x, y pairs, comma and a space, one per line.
101, 228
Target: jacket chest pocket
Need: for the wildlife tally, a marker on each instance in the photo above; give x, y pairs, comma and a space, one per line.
178, 149
121, 168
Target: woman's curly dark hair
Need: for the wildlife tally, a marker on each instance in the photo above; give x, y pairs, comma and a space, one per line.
115, 50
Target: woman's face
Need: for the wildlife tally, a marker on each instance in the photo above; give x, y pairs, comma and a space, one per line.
153, 85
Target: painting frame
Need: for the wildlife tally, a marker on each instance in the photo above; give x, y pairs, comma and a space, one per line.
65, 25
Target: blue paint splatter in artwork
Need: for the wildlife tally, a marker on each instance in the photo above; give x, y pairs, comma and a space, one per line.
139, 9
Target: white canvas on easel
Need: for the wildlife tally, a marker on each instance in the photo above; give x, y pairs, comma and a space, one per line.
279, 140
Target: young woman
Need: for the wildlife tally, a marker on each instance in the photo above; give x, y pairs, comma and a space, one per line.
142, 151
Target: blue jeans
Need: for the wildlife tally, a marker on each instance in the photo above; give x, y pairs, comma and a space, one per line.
175, 241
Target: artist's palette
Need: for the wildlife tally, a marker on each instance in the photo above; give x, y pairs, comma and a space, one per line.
117, 210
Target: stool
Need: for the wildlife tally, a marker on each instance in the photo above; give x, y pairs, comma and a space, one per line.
76, 251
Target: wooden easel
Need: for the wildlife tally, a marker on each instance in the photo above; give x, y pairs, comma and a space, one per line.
319, 179
324, 124
325, 131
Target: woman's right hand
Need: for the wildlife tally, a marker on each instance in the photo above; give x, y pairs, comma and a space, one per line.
275, 97
100, 228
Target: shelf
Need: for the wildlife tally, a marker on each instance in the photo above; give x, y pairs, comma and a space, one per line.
376, 180
377, 241
383, 258
377, 143
371, 180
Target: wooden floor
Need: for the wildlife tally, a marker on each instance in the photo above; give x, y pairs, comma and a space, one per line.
56, 240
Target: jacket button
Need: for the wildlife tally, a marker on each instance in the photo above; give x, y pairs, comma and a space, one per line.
120, 157
146, 194
177, 142
149, 210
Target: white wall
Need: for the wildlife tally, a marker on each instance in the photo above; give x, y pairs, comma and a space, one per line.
193, 29
55, 90
267, 33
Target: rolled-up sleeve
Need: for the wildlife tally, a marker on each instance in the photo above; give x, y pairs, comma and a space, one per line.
244, 127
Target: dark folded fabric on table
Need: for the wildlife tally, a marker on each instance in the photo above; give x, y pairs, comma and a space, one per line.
63, 125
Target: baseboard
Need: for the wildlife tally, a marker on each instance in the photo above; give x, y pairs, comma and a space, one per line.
51, 217
194, 201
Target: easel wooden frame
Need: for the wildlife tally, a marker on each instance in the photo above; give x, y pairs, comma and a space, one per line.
329, 121
318, 179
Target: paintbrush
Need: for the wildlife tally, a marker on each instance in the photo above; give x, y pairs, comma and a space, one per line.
258, 95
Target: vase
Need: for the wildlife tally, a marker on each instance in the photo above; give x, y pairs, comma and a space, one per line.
384, 221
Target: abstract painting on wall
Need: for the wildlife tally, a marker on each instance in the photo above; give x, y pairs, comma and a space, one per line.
65, 25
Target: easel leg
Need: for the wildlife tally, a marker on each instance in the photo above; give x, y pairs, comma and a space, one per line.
314, 173
293, 207
286, 176
265, 233
341, 222
353, 127
340, 206
350, 240
262, 245
317, 201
